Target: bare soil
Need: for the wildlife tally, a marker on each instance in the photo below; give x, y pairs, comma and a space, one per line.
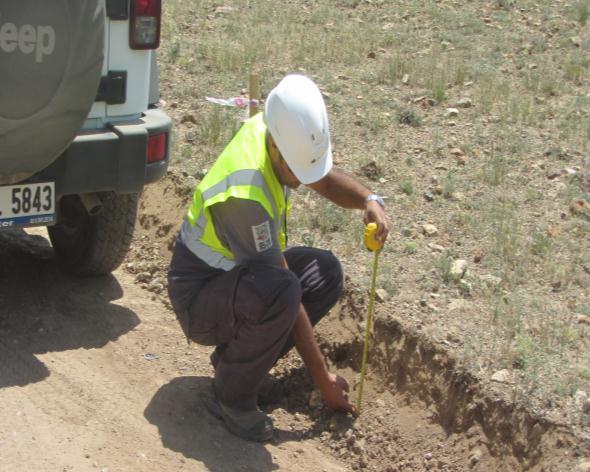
95, 375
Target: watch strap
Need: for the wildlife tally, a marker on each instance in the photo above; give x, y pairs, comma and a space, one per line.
375, 198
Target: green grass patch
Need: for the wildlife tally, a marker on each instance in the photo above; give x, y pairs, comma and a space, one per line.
580, 11
407, 187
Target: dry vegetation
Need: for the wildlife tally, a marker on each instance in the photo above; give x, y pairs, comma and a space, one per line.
471, 116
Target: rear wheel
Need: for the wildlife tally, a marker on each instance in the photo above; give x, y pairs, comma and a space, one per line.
94, 245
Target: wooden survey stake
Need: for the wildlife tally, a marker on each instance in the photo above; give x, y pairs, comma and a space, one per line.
254, 93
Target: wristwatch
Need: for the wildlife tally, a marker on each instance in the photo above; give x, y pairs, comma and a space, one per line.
375, 198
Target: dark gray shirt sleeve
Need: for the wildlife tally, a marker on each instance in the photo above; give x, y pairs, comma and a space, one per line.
247, 230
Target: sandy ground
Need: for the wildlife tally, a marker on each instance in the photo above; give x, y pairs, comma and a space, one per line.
94, 375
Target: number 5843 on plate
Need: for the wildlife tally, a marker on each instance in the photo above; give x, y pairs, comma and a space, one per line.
27, 205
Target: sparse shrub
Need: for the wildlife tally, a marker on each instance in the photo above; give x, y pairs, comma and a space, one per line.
557, 152
308, 239
525, 348
461, 74
495, 169
186, 151
560, 276
437, 73
411, 248
549, 85
449, 184
407, 187
465, 288
541, 244
218, 126
505, 4
533, 195
567, 335
377, 123
488, 91
174, 52
409, 117
393, 70
438, 88
443, 265
503, 219
583, 309
521, 110
386, 278
508, 312
575, 66
566, 388
582, 11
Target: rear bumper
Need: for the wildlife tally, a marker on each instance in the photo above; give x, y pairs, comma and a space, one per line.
113, 159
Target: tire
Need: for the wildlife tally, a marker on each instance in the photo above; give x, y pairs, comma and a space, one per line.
94, 245
48, 79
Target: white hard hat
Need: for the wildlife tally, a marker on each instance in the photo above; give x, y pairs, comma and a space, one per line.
297, 119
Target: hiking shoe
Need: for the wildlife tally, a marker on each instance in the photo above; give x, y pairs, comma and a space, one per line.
270, 392
249, 425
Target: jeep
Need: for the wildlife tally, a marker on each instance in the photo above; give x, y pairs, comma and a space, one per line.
81, 133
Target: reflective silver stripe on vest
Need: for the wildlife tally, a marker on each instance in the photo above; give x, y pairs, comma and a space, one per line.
242, 177
191, 237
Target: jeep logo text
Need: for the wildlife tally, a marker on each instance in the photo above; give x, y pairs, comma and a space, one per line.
28, 39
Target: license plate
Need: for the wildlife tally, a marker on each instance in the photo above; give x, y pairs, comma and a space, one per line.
27, 205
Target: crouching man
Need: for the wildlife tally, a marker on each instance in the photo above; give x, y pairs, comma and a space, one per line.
233, 282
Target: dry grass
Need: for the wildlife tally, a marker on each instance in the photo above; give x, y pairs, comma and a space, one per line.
518, 74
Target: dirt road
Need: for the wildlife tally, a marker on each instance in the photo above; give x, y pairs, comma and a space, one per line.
94, 375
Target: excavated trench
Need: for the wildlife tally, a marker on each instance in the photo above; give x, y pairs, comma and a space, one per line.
456, 422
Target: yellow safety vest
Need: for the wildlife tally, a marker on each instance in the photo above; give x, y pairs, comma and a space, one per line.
243, 170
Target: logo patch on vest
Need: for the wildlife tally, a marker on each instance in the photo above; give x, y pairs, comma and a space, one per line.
262, 236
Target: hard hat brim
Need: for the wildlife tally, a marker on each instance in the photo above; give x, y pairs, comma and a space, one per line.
317, 171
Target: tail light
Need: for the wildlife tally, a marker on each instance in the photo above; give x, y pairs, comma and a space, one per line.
156, 147
146, 17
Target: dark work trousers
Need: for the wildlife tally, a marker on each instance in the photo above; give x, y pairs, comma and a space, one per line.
248, 314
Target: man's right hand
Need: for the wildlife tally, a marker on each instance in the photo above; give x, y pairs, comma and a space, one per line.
335, 394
